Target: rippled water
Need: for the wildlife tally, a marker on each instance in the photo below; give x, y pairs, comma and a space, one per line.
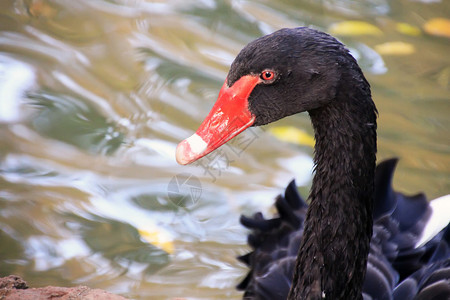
95, 95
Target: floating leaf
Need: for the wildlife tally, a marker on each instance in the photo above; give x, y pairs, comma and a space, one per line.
438, 27
354, 28
292, 135
41, 9
158, 238
408, 29
395, 48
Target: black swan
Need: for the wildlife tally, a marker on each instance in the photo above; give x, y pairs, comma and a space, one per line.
357, 238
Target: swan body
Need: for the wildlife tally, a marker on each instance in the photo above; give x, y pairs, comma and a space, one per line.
397, 268
357, 238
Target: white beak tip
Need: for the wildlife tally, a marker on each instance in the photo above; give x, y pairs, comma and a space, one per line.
190, 149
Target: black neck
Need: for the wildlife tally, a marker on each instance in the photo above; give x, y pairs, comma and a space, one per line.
331, 263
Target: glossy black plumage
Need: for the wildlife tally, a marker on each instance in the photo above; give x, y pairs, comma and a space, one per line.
396, 269
316, 73
323, 250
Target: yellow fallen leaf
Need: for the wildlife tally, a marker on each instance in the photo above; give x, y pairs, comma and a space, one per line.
292, 135
354, 28
39, 8
395, 48
158, 238
438, 26
408, 29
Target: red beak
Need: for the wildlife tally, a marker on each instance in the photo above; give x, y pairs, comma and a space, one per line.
228, 117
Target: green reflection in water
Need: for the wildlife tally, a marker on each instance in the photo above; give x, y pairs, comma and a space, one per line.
120, 243
75, 122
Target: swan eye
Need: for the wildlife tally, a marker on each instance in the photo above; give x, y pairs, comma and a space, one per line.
267, 75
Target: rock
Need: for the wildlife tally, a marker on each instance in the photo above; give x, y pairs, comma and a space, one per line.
15, 288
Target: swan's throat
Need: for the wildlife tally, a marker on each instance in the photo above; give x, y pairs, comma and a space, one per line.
338, 226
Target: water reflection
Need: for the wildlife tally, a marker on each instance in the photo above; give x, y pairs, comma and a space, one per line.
16, 79
72, 121
95, 95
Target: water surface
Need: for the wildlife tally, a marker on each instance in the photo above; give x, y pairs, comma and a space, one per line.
95, 95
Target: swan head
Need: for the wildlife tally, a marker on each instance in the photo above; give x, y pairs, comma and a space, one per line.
280, 74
